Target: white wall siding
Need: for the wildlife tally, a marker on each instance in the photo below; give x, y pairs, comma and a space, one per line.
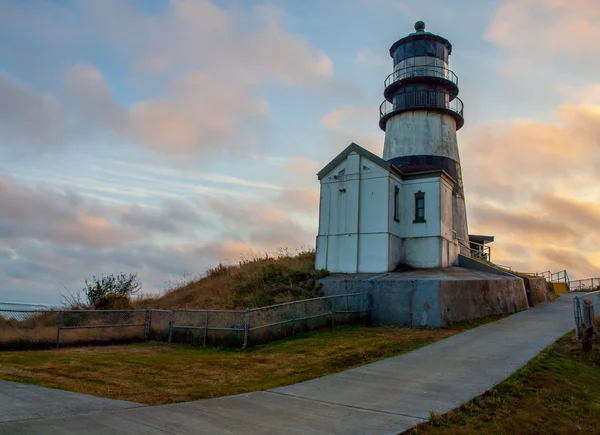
431, 226
446, 220
374, 205
373, 253
424, 252
357, 230
396, 254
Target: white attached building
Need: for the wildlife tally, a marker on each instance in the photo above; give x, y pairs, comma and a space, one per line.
375, 217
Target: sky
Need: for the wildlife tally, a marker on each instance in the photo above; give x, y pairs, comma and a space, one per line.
163, 137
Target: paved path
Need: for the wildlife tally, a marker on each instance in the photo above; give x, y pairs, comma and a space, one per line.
386, 397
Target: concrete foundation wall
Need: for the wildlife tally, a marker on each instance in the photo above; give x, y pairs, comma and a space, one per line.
466, 300
537, 291
431, 302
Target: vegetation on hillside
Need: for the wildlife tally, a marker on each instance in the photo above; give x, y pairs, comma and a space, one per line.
251, 282
558, 392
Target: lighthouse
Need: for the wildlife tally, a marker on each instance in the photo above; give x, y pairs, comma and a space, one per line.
422, 113
407, 207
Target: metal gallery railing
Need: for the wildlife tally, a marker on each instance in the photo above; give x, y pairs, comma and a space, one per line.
440, 72
29, 328
421, 99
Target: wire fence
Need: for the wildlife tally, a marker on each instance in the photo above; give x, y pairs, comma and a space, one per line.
45, 328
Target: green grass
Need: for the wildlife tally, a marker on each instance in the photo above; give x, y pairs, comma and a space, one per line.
558, 392
158, 373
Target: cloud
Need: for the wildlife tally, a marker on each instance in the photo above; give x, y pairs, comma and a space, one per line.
367, 58
29, 118
357, 124
198, 67
261, 224
38, 272
550, 28
505, 156
172, 217
301, 200
45, 215
92, 96
533, 185
302, 166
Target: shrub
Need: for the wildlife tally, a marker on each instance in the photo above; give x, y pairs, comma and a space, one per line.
110, 291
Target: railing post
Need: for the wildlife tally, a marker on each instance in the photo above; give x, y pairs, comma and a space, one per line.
333, 311
148, 322
246, 325
294, 319
58, 329
171, 322
588, 325
205, 328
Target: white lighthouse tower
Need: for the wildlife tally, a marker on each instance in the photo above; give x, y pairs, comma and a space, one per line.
422, 112
407, 208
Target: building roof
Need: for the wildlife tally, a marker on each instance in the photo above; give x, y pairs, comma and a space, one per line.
480, 239
405, 172
358, 150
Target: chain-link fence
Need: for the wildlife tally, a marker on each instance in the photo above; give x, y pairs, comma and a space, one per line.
285, 320
44, 328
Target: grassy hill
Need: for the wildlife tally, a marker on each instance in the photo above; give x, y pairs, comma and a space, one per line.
259, 281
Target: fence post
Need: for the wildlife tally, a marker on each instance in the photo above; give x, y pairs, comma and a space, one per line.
205, 328
294, 319
171, 322
333, 311
148, 322
58, 329
246, 325
588, 325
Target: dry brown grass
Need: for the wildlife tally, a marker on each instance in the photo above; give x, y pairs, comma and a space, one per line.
251, 282
156, 373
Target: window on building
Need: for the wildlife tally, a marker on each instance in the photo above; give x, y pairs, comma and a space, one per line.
419, 207
396, 203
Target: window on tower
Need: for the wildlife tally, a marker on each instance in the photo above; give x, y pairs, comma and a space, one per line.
419, 207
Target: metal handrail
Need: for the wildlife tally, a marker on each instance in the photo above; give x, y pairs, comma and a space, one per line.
585, 284
484, 254
440, 72
421, 99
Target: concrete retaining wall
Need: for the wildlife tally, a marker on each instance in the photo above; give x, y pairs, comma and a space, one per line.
430, 302
537, 291
467, 300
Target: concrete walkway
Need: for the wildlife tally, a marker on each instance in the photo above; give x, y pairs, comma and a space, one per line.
386, 397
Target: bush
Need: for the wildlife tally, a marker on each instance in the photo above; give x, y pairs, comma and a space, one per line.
112, 291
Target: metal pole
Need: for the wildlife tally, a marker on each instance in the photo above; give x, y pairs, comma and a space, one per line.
148, 322
58, 329
246, 329
205, 328
333, 311
294, 319
171, 322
